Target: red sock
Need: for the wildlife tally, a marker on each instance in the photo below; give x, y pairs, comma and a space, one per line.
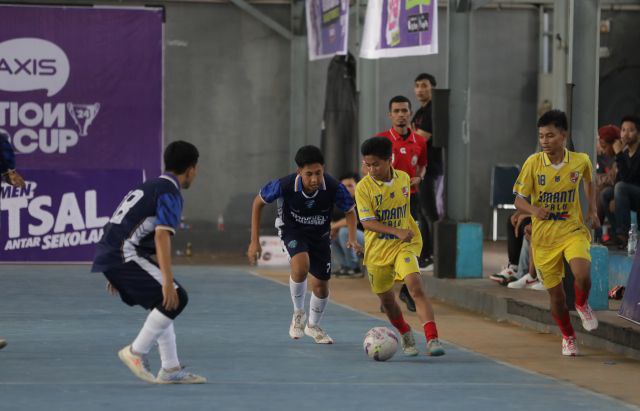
430, 330
564, 322
581, 296
401, 324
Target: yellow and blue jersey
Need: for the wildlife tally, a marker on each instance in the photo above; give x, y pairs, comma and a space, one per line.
388, 203
556, 188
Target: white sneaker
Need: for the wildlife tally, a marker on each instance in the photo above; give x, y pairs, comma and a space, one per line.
588, 317
538, 286
318, 334
525, 282
408, 344
296, 329
179, 376
569, 346
138, 364
506, 276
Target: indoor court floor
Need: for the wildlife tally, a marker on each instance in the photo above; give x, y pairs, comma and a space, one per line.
64, 331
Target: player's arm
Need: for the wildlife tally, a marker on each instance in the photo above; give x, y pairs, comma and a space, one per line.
163, 253
525, 206
376, 226
590, 193
254, 251
351, 219
269, 193
168, 213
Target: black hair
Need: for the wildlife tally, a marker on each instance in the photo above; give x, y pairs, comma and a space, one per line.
556, 118
179, 156
351, 174
377, 146
309, 155
399, 99
632, 119
426, 76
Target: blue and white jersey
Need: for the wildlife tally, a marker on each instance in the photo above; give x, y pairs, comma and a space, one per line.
130, 233
306, 213
7, 158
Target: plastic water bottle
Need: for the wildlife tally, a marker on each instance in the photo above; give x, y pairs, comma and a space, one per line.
633, 240
220, 223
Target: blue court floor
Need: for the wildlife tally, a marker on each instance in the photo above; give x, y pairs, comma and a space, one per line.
64, 331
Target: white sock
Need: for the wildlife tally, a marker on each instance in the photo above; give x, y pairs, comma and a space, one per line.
316, 309
155, 325
298, 291
167, 349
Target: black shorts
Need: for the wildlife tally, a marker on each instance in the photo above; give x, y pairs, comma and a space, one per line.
319, 250
139, 282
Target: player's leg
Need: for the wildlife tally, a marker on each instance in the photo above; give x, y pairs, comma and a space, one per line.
381, 280
171, 371
578, 254
550, 270
139, 283
320, 269
425, 313
297, 249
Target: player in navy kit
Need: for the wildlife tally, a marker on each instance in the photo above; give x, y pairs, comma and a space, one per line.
140, 229
305, 202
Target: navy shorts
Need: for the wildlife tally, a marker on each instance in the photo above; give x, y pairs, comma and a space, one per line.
139, 282
319, 250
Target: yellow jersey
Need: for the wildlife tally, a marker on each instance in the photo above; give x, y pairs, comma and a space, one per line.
387, 202
556, 188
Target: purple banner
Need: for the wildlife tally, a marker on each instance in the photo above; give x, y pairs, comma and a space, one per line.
630, 308
327, 28
81, 99
81, 87
396, 28
59, 215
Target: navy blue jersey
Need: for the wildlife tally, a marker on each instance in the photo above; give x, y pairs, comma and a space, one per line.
310, 214
130, 233
7, 158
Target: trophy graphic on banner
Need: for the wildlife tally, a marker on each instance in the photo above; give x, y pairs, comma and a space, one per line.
83, 115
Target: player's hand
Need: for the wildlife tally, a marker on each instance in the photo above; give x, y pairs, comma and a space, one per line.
404, 235
254, 252
593, 220
519, 219
14, 179
170, 298
541, 213
415, 181
355, 246
527, 232
617, 146
111, 289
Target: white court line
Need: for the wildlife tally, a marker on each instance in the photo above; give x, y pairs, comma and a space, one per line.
506, 364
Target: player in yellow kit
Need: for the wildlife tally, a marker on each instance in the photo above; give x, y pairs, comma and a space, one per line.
393, 242
551, 179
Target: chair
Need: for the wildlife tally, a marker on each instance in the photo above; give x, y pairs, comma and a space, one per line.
503, 177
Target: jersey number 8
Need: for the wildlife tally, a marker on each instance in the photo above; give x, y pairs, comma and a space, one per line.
129, 201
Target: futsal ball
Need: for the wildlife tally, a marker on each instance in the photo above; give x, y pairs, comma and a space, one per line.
380, 343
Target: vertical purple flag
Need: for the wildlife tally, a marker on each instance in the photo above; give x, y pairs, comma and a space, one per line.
630, 307
81, 91
396, 28
327, 28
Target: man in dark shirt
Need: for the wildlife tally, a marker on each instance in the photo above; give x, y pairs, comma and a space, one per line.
626, 192
346, 258
431, 188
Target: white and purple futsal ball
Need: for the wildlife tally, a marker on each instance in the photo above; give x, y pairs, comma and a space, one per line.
380, 343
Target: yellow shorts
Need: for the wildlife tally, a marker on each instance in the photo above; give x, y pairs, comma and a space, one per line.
381, 278
549, 261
